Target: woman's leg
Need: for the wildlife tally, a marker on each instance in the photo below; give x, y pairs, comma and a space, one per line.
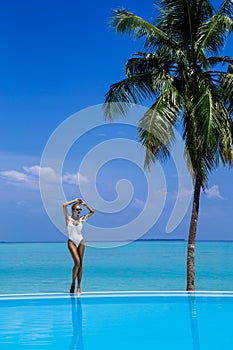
81, 249
75, 255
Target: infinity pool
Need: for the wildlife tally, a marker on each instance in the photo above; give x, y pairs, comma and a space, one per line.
133, 320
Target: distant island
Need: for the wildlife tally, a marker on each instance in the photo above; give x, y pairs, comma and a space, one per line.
161, 239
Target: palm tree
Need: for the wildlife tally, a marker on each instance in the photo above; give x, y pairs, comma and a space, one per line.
189, 83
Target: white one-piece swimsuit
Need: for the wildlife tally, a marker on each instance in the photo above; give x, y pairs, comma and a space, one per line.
74, 231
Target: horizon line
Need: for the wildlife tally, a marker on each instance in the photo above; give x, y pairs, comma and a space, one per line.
137, 240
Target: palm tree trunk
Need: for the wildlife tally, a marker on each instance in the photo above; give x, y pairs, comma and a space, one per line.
192, 236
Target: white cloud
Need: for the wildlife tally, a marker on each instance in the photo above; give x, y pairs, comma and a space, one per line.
138, 203
22, 203
82, 178
32, 170
71, 179
185, 192
46, 173
213, 192
182, 194
30, 176
14, 176
74, 179
161, 192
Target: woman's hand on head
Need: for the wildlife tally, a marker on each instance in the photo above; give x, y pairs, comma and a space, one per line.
79, 200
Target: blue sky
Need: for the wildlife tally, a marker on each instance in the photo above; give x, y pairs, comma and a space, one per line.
58, 58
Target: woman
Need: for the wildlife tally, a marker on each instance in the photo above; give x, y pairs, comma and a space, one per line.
76, 244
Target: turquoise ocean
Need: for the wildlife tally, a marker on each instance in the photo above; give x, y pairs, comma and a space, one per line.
138, 266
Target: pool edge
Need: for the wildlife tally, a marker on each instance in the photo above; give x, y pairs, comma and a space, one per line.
113, 294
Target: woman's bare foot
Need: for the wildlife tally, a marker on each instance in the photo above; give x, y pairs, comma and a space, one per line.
79, 291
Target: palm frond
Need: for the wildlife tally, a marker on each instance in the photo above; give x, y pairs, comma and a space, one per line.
147, 62
213, 127
203, 59
183, 18
129, 91
174, 17
206, 117
204, 10
156, 128
226, 134
213, 33
214, 60
127, 23
226, 89
226, 9
135, 89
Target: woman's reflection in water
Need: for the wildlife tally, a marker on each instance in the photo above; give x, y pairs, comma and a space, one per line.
77, 338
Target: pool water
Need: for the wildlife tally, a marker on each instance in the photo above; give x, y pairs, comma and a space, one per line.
117, 320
